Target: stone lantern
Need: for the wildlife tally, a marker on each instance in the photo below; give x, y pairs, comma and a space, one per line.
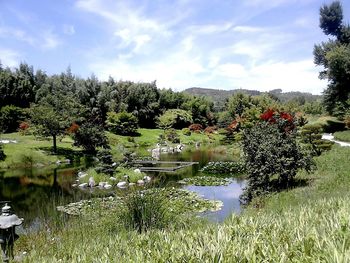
8, 236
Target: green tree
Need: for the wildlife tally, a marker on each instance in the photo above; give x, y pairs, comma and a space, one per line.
10, 116
174, 118
272, 156
334, 56
122, 123
54, 114
90, 136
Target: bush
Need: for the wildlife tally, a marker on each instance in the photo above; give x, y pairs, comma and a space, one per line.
23, 127
122, 123
272, 157
90, 136
196, 127
210, 129
144, 211
186, 132
174, 118
311, 134
172, 136
10, 117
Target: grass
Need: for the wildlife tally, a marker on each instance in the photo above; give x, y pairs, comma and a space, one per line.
305, 224
29, 151
342, 136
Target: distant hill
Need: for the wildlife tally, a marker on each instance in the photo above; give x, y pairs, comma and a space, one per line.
220, 96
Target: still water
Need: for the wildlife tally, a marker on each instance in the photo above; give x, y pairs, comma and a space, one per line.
35, 193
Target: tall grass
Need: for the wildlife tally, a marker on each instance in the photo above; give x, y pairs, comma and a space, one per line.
305, 224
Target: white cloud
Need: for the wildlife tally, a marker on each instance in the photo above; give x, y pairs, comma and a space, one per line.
50, 40
9, 57
18, 34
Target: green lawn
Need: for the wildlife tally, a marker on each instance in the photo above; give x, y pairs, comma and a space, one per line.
310, 223
342, 136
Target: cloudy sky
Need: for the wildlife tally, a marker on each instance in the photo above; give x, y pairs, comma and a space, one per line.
226, 44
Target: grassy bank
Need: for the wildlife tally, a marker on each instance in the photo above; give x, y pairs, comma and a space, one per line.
342, 136
307, 224
30, 151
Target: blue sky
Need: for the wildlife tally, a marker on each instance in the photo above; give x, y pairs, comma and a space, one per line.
225, 44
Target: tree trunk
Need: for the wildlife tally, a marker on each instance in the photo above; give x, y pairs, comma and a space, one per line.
54, 144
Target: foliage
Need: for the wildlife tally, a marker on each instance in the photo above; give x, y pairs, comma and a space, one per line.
272, 155
196, 127
105, 161
210, 129
54, 114
10, 117
122, 123
186, 131
130, 172
172, 136
90, 136
23, 127
201, 110
311, 134
334, 56
174, 118
224, 168
144, 211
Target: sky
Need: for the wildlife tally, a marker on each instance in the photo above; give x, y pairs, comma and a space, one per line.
222, 44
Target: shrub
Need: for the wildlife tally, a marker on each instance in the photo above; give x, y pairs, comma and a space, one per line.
311, 134
347, 121
122, 123
196, 127
174, 118
90, 136
272, 156
73, 128
186, 131
144, 211
23, 127
172, 136
210, 129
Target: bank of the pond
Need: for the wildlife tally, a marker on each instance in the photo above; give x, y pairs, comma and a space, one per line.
309, 223
30, 151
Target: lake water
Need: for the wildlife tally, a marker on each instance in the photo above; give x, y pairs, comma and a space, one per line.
35, 193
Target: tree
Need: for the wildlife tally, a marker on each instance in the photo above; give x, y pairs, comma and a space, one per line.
272, 155
122, 123
334, 56
90, 136
10, 117
174, 118
54, 114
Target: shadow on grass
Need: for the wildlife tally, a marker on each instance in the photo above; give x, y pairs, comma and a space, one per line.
66, 152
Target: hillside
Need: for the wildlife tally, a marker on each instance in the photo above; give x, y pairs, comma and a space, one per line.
220, 96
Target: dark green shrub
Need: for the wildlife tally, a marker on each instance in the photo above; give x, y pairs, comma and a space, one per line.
90, 136
272, 158
332, 126
122, 123
172, 136
10, 117
144, 211
311, 134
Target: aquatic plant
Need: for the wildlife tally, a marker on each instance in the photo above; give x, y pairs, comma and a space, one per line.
224, 168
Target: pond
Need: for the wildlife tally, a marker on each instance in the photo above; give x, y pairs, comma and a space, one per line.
35, 193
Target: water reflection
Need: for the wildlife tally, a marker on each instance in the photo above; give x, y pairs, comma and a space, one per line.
228, 194
35, 193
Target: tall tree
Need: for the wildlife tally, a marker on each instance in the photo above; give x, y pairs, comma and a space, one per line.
334, 56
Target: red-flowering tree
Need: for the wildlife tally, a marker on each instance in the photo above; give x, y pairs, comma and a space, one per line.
272, 155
